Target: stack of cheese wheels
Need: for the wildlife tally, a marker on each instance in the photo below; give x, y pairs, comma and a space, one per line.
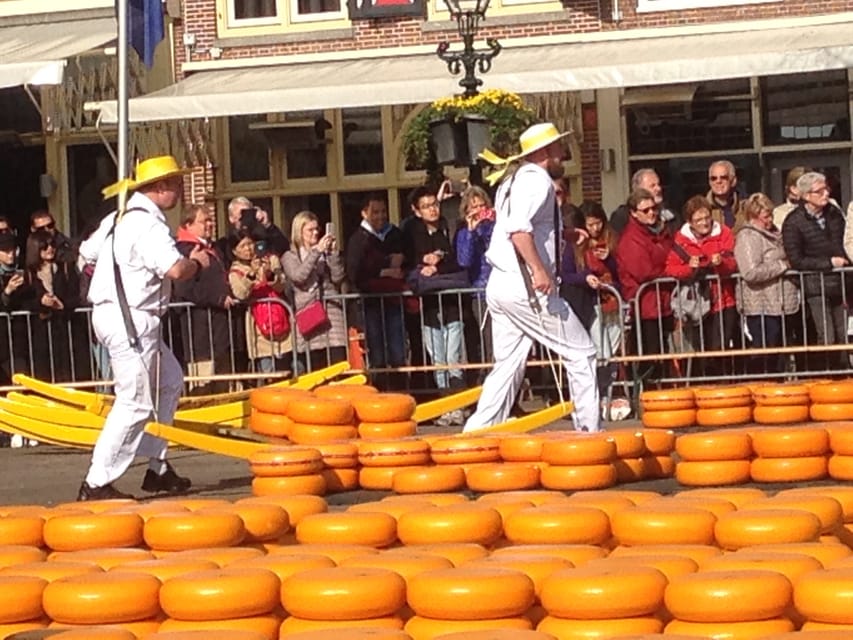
733, 604
269, 410
340, 464
602, 601
381, 459
780, 403
240, 599
826, 508
287, 470
372, 529
823, 599
560, 522
668, 409
579, 461
631, 454
194, 530
462, 522
717, 457
723, 406
384, 415
660, 445
317, 420
840, 463
21, 600
81, 530
468, 598
790, 454
341, 597
466, 453
831, 400
751, 527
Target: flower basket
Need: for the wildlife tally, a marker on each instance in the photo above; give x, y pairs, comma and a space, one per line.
507, 114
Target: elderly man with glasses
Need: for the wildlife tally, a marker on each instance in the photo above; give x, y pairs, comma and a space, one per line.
813, 235
726, 207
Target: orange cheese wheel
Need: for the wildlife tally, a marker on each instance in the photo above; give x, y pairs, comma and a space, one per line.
535, 496
577, 554
336, 552
840, 467
275, 425
394, 508
659, 442
22, 529
537, 568
834, 391
343, 593
728, 596
740, 630
426, 479
629, 443
50, 571
723, 417
454, 523
338, 455
220, 594
165, 568
465, 450
658, 466
648, 524
738, 496
717, 506
567, 629
420, 628
842, 493
668, 400
21, 598
714, 445
826, 508
629, 469
263, 522
458, 553
824, 596
748, 528
607, 501
558, 523
578, 477
470, 593
313, 483
841, 439
265, 627
384, 407
669, 419
380, 478
293, 625
176, 532
669, 565
596, 592
582, 449
12, 554
296, 506
275, 399
220, 556
712, 472
521, 448
831, 412
285, 461
309, 434
371, 529
723, 397
406, 565
790, 565
780, 414
699, 553
285, 565
781, 394
344, 391
393, 453
320, 411
104, 558
788, 469
790, 442
340, 480
825, 553
505, 476
384, 430
102, 598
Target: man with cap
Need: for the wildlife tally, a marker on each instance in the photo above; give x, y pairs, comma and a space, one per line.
522, 292
139, 248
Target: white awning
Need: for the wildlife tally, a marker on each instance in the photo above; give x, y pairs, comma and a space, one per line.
625, 62
35, 54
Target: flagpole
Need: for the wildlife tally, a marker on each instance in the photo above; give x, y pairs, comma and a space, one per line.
123, 120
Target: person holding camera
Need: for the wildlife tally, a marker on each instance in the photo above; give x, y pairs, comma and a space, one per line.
242, 214
315, 268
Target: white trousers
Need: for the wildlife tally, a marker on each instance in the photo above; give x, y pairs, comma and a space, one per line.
137, 375
515, 327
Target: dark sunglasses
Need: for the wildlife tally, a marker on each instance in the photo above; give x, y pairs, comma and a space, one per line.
647, 209
50, 226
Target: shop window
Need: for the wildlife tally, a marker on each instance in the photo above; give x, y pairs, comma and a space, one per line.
305, 151
249, 153
714, 116
645, 6
314, 7
254, 9
362, 136
18, 114
805, 108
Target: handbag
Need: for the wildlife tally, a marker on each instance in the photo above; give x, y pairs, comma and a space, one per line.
691, 300
312, 318
270, 317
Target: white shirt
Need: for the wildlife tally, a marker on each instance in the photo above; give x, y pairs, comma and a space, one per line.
145, 251
529, 208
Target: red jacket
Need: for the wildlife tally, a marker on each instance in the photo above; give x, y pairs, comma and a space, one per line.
641, 257
721, 240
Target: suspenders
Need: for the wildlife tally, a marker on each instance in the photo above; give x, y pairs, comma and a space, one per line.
132, 334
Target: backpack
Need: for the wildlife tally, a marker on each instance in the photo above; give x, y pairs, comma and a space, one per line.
270, 317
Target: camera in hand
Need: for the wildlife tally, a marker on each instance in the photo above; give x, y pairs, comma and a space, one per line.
249, 218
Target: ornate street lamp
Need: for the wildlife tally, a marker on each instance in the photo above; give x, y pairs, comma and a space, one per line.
468, 14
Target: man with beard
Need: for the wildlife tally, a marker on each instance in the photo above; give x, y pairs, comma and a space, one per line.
522, 293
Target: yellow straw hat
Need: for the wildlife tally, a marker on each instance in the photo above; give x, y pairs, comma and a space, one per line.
534, 138
147, 171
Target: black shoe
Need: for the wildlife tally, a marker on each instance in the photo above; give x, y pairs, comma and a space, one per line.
107, 492
169, 482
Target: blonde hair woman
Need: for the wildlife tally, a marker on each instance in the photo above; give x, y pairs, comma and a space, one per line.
315, 269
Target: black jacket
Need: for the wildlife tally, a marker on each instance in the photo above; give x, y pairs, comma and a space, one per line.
810, 248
